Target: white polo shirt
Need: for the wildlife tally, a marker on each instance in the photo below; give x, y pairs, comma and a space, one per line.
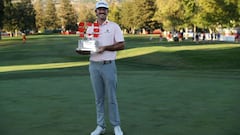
109, 34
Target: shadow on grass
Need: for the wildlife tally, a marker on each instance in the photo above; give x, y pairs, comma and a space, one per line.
44, 58
47, 73
198, 60
188, 59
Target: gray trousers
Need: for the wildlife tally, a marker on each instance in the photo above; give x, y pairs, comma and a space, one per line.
104, 82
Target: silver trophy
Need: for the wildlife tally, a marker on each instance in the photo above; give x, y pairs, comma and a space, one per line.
87, 45
88, 42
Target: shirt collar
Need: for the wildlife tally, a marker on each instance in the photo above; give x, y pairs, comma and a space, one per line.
105, 22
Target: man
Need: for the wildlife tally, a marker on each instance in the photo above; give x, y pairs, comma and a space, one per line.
102, 68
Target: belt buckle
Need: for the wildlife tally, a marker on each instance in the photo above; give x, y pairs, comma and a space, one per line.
107, 61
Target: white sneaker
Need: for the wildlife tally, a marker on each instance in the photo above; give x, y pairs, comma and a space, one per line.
98, 131
118, 131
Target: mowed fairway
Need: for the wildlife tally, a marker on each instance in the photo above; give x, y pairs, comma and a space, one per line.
166, 88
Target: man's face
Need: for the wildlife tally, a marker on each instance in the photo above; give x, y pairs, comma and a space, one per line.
102, 13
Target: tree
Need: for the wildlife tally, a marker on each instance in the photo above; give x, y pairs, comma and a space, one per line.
19, 16
171, 14
50, 19
198, 13
144, 13
39, 15
137, 15
90, 17
10, 22
68, 16
114, 13
26, 15
230, 11
214, 13
86, 12
126, 16
189, 11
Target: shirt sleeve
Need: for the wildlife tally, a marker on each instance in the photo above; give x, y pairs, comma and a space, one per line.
118, 34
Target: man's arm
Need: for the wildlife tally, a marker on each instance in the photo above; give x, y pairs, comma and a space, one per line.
115, 47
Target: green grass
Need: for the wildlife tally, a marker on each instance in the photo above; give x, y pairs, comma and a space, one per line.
164, 88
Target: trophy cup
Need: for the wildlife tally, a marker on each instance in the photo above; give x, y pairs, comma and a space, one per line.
88, 41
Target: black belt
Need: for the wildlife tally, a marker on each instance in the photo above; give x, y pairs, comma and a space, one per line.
107, 62
103, 62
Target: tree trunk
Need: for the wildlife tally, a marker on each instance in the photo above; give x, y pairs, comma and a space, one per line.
194, 32
16, 33
186, 33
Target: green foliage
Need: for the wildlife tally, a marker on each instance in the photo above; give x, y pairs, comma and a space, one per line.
139, 15
86, 12
10, 22
230, 11
50, 16
114, 13
170, 13
216, 12
201, 13
19, 16
90, 17
67, 15
190, 9
39, 15
27, 15
126, 15
144, 13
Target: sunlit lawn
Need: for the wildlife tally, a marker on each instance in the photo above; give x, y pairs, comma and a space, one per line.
164, 88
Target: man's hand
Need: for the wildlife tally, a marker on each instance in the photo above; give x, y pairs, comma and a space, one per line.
83, 52
101, 49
